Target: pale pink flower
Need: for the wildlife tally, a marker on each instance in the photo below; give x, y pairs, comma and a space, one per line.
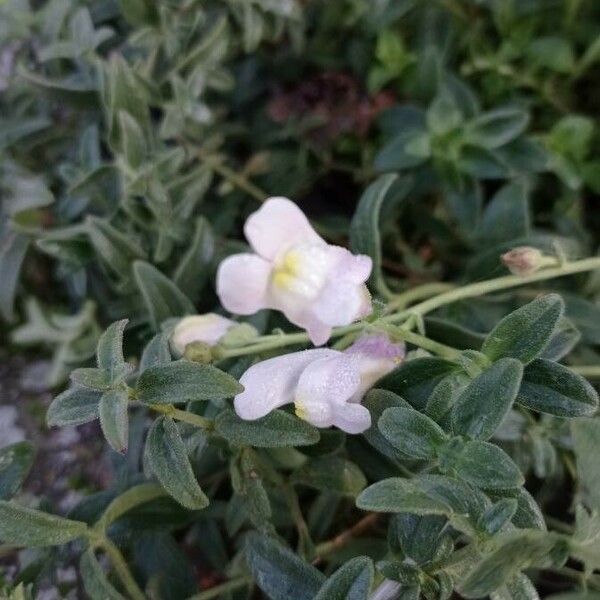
208, 328
326, 386
316, 285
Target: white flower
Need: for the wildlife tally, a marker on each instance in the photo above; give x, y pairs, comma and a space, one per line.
326, 386
208, 328
317, 286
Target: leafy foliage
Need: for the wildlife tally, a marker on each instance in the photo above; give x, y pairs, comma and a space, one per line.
135, 138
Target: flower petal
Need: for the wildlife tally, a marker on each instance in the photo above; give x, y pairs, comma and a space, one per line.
208, 328
323, 384
278, 225
242, 283
351, 418
272, 383
342, 302
352, 267
374, 356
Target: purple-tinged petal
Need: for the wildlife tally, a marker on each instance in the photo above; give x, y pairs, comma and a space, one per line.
272, 383
324, 384
351, 418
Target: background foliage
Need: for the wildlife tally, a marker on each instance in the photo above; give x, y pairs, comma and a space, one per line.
136, 136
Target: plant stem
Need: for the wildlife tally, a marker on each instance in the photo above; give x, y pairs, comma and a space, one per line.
590, 371
270, 342
228, 586
236, 179
122, 570
345, 537
494, 285
419, 292
183, 415
139, 494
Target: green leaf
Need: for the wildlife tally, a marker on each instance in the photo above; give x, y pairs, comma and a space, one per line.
115, 249
114, 419
586, 440
506, 217
483, 465
498, 515
279, 572
376, 402
496, 127
133, 144
411, 432
94, 379
395, 155
554, 389
166, 455
16, 461
73, 407
12, 254
365, 237
552, 52
417, 537
352, 581
193, 270
525, 333
109, 352
482, 406
443, 115
182, 381
278, 429
163, 299
398, 495
331, 474
415, 379
518, 551
20, 526
95, 581
155, 353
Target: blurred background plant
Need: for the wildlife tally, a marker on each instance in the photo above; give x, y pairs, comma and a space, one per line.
136, 136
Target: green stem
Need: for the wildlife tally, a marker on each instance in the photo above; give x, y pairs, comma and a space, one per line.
589, 371
139, 494
419, 292
473, 290
122, 570
237, 180
494, 285
183, 415
228, 586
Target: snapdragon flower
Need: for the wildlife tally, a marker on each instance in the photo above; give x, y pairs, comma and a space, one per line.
316, 285
326, 386
208, 328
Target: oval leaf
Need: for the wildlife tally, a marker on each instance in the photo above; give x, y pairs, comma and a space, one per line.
183, 381
482, 406
167, 457
278, 572
396, 495
74, 406
554, 389
114, 418
411, 432
15, 463
277, 429
525, 333
22, 526
352, 581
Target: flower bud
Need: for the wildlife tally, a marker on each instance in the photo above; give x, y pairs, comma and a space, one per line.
208, 329
523, 260
198, 352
